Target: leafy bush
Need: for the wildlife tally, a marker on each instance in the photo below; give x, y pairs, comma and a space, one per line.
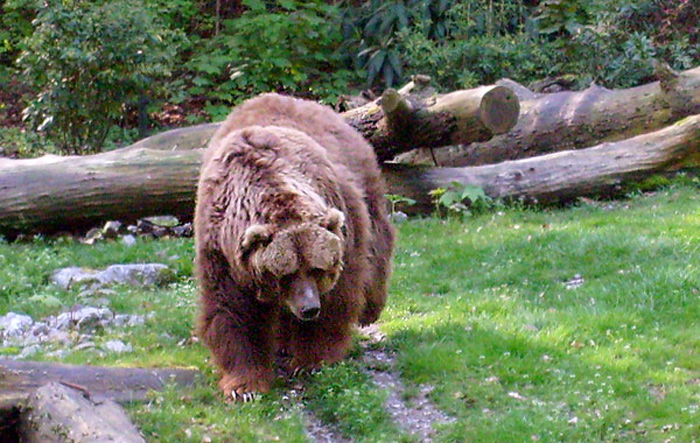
370, 32
460, 199
289, 47
469, 62
485, 41
87, 61
616, 44
15, 25
16, 143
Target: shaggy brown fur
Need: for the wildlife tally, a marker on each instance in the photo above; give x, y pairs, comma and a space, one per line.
290, 210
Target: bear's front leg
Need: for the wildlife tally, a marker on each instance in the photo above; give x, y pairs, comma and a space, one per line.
315, 344
242, 342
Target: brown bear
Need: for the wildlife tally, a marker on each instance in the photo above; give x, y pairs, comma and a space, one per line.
293, 240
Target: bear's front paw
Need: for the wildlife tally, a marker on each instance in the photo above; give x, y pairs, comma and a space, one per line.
237, 388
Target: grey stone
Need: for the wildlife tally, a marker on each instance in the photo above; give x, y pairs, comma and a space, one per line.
117, 346
148, 274
69, 277
167, 221
29, 351
111, 229
84, 319
59, 354
14, 325
398, 217
128, 240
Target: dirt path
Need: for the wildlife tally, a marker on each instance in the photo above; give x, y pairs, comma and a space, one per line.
416, 417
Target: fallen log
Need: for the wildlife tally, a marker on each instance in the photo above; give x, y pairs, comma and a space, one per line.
58, 413
73, 193
561, 176
19, 379
67, 193
575, 120
398, 121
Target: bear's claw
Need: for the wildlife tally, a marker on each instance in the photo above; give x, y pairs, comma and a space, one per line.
245, 397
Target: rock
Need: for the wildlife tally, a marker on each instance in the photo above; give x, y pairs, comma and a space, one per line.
128, 274
85, 345
29, 351
138, 274
122, 320
92, 236
14, 325
117, 346
398, 217
59, 354
84, 320
68, 277
184, 230
128, 240
111, 229
166, 221
73, 330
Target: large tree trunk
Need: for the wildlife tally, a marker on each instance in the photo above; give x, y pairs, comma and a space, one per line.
56, 194
561, 176
399, 120
574, 120
53, 194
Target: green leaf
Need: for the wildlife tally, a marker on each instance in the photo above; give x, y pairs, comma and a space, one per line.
255, 5
289, 5
473, 193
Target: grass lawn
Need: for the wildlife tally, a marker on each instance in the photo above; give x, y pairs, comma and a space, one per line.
577, 325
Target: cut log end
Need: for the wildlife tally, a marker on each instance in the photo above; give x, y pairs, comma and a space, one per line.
500, 109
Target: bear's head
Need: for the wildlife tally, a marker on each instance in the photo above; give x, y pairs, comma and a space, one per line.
295, 265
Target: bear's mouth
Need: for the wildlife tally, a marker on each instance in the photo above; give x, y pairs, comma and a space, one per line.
304, 301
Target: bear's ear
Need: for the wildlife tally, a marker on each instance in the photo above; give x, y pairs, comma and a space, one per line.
254, 236
334, 221
260, 138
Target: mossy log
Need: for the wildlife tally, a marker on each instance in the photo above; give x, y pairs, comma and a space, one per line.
574, 120
50, 195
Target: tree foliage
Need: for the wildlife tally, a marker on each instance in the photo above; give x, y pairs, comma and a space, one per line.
284, 46
87, 61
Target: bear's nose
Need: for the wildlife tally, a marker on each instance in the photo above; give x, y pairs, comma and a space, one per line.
310, 313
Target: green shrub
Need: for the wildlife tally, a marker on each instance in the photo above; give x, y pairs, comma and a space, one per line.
470, 62
15, 25
483, 42
616, 44
290, 47
87, 61
17, 143
370, 31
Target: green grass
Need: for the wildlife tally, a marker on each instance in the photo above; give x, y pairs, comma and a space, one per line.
479, 308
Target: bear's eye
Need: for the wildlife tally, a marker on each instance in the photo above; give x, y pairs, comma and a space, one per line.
287, 280
317, 273
324, 279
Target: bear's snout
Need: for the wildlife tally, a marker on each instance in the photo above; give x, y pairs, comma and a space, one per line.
304, 301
